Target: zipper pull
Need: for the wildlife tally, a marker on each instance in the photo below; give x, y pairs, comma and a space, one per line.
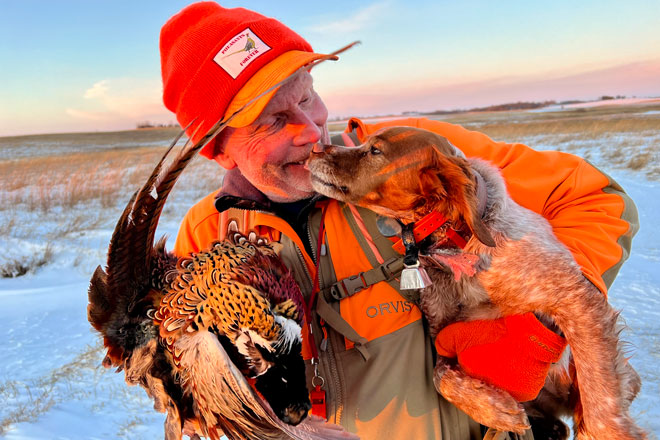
324, 342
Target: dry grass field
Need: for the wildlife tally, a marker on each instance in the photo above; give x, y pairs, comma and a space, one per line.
54, 198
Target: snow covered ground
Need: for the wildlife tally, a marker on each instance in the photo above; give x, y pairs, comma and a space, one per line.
52, 385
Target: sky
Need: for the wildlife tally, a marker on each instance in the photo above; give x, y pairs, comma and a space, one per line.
79, 65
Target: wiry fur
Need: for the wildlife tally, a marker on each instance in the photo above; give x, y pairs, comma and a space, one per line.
406, 173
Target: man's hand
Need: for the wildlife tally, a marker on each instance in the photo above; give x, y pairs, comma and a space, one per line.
513, 353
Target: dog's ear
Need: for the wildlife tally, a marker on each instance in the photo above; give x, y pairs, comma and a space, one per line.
457, 193
431, 190
479, 229
471, 215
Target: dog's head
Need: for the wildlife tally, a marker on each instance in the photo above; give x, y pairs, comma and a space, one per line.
401, 172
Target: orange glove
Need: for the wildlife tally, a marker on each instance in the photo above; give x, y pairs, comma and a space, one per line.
513, 353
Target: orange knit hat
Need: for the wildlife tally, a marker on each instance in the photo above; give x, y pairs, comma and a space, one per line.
214, 60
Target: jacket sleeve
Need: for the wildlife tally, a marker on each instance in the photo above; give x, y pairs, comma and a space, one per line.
199, 227
589, 212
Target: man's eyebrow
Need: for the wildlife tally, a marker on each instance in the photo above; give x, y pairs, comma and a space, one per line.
262, 119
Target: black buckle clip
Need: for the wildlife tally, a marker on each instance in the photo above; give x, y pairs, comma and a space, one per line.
386, 268
350, 286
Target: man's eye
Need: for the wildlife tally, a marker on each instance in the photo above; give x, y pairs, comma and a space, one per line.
279, 119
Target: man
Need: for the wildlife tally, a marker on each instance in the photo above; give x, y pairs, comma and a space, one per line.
370, 361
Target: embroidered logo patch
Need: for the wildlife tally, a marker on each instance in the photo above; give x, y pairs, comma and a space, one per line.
240, 51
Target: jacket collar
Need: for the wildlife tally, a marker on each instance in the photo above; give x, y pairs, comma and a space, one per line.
238, 192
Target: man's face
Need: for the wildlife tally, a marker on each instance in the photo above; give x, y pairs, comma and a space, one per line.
271, 152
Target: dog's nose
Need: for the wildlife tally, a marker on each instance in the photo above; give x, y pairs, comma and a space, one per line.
318, 148
326, 149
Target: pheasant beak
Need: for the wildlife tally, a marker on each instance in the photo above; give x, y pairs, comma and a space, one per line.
295, 414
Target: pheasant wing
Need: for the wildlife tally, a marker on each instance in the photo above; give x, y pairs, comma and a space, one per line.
226, 400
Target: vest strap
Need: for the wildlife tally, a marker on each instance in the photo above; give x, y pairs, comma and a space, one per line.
355, 283
339, 324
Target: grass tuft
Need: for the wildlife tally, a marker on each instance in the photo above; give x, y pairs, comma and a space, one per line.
640, 161
16, 267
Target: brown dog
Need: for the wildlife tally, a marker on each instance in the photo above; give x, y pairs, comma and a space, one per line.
518, 266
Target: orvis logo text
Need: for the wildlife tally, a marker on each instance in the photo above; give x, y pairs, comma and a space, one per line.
389, 308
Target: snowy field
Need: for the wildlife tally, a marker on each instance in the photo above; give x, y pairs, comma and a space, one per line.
51, 382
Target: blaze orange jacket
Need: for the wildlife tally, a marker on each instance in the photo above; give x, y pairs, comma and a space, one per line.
376, 362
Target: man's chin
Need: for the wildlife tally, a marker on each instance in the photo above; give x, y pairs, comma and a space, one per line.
291, 197
291, 192
299, 179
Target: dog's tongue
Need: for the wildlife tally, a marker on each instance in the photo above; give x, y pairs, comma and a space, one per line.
459, 264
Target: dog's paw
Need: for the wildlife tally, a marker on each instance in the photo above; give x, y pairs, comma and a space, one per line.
484, 403
549, 428
494, 434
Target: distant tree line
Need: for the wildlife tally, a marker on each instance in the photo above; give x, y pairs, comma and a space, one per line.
492, 108
512, 106
148, 124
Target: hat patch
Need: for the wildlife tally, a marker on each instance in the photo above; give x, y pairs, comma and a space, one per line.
240, 51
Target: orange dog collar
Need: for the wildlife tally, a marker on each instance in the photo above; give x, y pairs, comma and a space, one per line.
426, 226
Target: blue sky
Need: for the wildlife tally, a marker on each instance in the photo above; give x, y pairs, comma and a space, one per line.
90, 65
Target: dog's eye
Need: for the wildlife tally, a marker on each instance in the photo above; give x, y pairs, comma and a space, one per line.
375, 150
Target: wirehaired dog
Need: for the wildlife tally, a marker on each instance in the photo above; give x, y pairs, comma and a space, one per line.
512, 264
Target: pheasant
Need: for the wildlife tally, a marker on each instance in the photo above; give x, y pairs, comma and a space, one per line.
190, 330
243, 294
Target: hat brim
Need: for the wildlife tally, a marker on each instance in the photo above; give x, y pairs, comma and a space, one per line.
269, 75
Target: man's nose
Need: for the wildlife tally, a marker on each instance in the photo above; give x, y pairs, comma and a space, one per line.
309, 133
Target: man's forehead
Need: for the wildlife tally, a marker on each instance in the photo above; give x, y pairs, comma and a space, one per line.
288, 94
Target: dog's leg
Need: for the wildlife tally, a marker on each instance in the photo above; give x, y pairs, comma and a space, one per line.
600, 367
486, 404
552, 284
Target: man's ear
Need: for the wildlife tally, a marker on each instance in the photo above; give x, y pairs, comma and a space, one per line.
220, 154
225, 161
